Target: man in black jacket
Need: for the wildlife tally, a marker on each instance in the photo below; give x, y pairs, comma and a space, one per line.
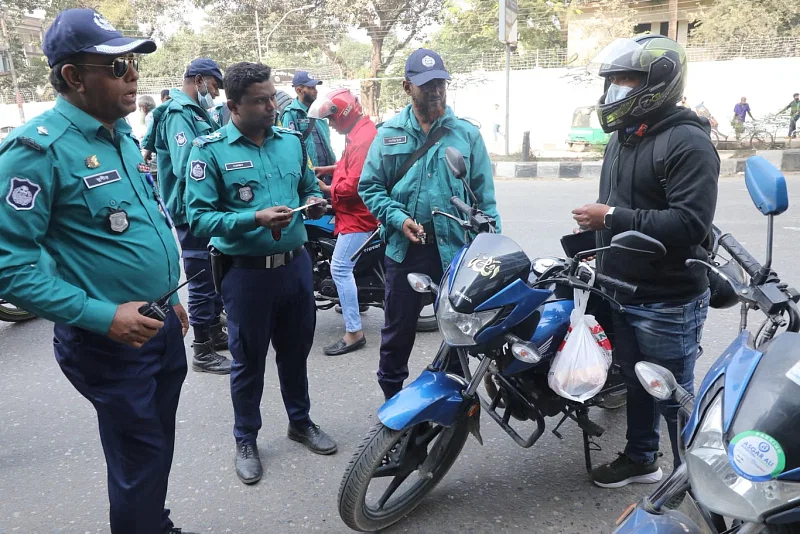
659, 177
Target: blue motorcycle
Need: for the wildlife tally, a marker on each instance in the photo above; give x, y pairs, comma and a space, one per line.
495, 306
740, 440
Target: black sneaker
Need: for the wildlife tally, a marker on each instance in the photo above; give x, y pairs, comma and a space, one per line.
219, 336
206, 360
624, 471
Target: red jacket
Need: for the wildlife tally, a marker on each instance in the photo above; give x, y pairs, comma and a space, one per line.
351, 214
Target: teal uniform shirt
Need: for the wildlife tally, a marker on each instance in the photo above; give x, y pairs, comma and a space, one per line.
229, 179
295, 117
428, 184
182, 121
64, 183
149, 139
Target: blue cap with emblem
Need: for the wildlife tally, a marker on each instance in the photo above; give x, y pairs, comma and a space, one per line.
424, 65
302, 77
204, 66
84, 30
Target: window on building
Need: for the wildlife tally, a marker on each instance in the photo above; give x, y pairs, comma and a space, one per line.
664, 28
642, 28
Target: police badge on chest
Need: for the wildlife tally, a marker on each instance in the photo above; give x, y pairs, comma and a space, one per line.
118, 221
246, 193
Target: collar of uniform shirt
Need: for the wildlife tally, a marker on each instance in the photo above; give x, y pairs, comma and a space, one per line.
85, 123
179, 97
414, 123
234, 134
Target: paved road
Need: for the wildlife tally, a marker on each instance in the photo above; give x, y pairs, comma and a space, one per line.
52, 472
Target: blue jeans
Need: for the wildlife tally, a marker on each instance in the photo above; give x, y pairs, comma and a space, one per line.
342, 272
668, 335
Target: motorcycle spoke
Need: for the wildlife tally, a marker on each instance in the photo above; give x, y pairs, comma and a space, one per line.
396, 483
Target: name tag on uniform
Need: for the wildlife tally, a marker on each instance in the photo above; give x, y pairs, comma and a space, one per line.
399, 140
302, 121
236, 165
103, 178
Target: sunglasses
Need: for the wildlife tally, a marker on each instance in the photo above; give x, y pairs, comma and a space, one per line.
120, 66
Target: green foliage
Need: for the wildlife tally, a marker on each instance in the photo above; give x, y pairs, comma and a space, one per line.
732, 20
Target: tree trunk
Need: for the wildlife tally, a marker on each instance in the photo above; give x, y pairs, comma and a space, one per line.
673, 19
371, 89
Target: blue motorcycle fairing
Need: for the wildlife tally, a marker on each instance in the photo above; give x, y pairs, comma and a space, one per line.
550, 332
434, 396
326, 222
455, 265
525, 300
737, 363
668, 522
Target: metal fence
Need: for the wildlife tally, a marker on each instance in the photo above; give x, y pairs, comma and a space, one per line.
780, 47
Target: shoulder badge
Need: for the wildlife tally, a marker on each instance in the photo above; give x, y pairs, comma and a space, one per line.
22, 194
27, 141
198, 170
180, 138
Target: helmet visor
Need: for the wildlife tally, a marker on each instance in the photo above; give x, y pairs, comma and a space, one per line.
322, 108
622, 55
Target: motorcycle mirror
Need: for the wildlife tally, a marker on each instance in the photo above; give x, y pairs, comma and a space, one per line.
421, 283
656, 380
455, 160
633, 241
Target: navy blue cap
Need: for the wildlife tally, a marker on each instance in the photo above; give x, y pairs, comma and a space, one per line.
85, 30
301, 77
204, 67
424, 65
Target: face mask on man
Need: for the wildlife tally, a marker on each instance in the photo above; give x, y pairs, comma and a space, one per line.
616, 93
204, 97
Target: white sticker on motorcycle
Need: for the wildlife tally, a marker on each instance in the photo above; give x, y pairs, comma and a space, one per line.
793, 374
756, 456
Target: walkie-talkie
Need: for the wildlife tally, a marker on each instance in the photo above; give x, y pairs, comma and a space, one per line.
158, 309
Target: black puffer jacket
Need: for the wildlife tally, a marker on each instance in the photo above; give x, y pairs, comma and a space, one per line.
678, 213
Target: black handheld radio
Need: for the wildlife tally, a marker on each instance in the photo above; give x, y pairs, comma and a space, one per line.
158, 309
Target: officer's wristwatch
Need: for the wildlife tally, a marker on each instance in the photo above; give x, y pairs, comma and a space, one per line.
607, 218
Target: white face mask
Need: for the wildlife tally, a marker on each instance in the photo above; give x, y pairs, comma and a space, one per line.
616, 93
206, 101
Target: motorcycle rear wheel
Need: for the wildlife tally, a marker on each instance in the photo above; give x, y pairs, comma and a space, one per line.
397, 454
12, 314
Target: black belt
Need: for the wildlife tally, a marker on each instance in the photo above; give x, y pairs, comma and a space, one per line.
265, 262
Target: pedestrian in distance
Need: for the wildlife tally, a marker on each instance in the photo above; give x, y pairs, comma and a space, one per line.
794, 114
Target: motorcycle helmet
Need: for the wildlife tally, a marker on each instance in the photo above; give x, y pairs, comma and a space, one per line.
340, 107
722, 293
660, 61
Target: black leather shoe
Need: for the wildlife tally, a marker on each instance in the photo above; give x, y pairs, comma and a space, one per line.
206, 360
248, 463
313, 438
219, 336
341, 347
174, 530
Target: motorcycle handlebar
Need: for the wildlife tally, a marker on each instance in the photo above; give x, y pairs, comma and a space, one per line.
740, 255
619, 285
461, 206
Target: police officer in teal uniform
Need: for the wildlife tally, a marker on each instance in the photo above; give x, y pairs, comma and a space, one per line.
242, 184
318, 139
186, 116
76, 191
404, 209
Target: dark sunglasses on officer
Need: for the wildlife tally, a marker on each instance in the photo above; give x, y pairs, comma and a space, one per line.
119, 68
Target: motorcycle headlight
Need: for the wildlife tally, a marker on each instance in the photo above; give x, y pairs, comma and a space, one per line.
459, 329
718, 487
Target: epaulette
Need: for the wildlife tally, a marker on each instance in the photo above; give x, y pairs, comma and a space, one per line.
41, 132
210, 138
281, 129
472, 121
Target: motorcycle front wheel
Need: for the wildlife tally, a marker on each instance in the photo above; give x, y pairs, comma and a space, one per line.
11, 314
404, 464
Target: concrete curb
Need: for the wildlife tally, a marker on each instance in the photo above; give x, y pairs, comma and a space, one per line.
785, 160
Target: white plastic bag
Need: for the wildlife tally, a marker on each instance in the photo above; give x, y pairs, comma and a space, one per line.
580, 368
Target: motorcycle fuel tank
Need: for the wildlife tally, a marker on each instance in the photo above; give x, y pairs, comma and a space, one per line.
491, 262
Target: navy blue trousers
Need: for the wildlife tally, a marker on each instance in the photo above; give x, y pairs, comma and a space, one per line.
135, 394
263, 306
204, 305
401, 310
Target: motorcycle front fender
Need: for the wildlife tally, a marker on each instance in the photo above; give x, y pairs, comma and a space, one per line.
434, 396
640, 521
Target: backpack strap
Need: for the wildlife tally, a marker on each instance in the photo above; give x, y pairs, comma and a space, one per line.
660, 156
312, 123
433, 137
